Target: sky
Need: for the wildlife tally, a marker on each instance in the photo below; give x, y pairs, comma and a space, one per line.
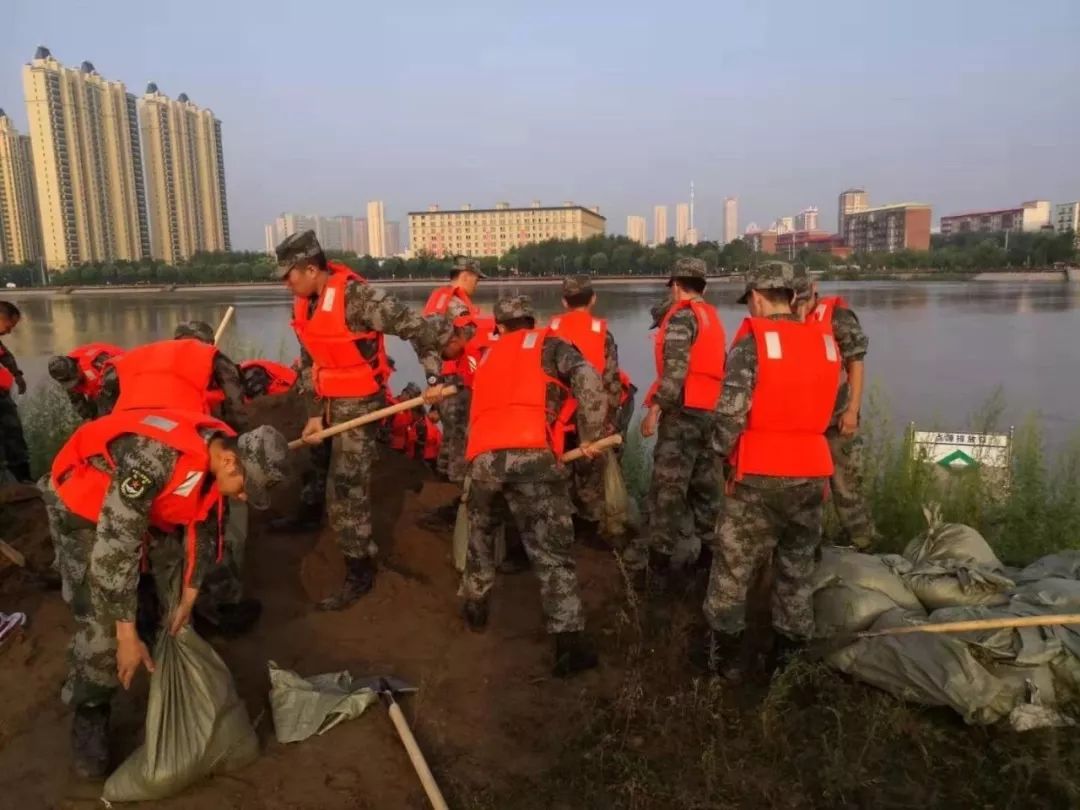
326, 105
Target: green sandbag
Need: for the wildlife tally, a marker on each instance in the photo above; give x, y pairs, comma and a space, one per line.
618, 516
196, 724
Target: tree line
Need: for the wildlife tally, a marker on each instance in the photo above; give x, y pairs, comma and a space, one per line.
598, 255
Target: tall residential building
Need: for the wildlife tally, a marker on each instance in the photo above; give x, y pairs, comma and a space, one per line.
496, 231
271, 240
659, 229
185, 175
1024, 218
682, 222
347, 225
807, 219
393, 238
1067, 217
360, 236
20, 234
635, 229
87, 168
851, 201
328, 232
376, 229
888, 228
731, 220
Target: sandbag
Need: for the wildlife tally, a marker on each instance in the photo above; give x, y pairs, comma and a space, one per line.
1062, 594
842, 609
950, 584
840, 566
302, 707
1063, 565
950, 542
617, 501
196, 724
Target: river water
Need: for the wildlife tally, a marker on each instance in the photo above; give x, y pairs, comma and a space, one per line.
937, 351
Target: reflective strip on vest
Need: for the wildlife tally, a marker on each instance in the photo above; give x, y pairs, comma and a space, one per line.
187, 486
159, 422
772, 346
830, 348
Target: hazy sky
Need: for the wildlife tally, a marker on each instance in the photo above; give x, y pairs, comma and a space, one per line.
325, 105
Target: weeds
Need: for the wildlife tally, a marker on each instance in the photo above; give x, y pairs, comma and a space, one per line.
48, 420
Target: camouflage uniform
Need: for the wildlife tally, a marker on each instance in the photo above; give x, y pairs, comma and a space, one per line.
99, 564
684, 495
536, 488
15, 454
454, 413
763, 515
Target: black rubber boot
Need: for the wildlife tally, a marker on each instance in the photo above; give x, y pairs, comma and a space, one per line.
90, 741
307, 518
724, 655
783, 651
359, 579
237, 618
441, 518
21, 472
587, 532
574, 653
476, 614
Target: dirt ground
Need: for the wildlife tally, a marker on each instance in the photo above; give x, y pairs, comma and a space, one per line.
487, 712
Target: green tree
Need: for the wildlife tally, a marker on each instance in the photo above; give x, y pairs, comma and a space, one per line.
598, 263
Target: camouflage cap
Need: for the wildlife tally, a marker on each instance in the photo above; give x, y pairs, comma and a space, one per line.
295, 249
463, 264
688, 267
410, 391
264, 453
517, 306
199, 330
769, 276
574, 285
65, 371
803, 285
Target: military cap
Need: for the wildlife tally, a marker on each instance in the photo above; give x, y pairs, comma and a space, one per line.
410, 391
199, 330
802, 283
264, 454
573, 285
688, 267
463, 264
65, 371
295, 249
769, 276
517, 306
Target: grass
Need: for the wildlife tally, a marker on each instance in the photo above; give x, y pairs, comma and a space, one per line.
48, 421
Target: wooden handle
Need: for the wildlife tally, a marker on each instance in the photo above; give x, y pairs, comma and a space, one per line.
976, 624
416, 755
224, 323
12, 554
600, 444
368, 418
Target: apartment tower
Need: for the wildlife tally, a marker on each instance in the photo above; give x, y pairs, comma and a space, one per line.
635, 229
20, 239
660, 224
851, 202
376, 229
731, 220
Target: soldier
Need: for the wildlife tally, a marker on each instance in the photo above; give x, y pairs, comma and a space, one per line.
836, 318
474, 331
591, 336
425, 439
684, 495
130, 483
80, 372
521, 406
402, 421
778, 395
262, 378
340, 321
16, 456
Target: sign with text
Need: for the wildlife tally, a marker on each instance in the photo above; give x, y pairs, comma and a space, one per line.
957, 451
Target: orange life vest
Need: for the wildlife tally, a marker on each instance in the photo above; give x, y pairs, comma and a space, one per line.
432, 439
89, 359
792, 402
7, 379
339, 367
185, 500
509, 402
705, 375
174, 374
282, 378
822, 314
426, 448
464, 366
399, 428
589, 335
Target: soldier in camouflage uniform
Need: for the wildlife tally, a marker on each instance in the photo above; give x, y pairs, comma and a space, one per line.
684, 494
99, 563
846, 484
533, 483
303, 267
65, 370
14, 454
764, 513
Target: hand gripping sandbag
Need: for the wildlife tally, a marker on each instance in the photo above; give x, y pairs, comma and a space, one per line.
196, 724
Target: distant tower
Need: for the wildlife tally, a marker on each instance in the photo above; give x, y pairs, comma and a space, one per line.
731, 220
660, 224
691, 205
682, 222
851, 201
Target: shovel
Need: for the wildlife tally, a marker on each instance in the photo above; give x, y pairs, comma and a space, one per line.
386, 687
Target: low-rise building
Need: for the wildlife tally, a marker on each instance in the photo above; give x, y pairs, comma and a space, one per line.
1067, 217
1027, 217
888, 228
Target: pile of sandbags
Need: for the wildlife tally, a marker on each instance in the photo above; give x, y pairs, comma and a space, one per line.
949, 574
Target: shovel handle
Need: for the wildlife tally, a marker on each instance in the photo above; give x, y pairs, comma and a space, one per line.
368, 418
223, 325
976, 624
431, 788
613, 440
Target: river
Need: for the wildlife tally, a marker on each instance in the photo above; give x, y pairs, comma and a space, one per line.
937, 350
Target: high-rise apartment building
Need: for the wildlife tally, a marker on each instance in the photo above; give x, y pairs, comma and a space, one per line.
731, 219
87, 169
1024, 218
851, 201
185, 177
635, 229
1067, 217
360, 236
376, 229
682, 222
807, 219
660, 233
495, 231
328, 232
20, 234
888, 228
393, 238
783, 225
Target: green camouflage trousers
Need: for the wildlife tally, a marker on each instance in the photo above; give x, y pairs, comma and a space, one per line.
454, 413
541, 510
348, 481
756, 525
313, 487
846, 488
224, 583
